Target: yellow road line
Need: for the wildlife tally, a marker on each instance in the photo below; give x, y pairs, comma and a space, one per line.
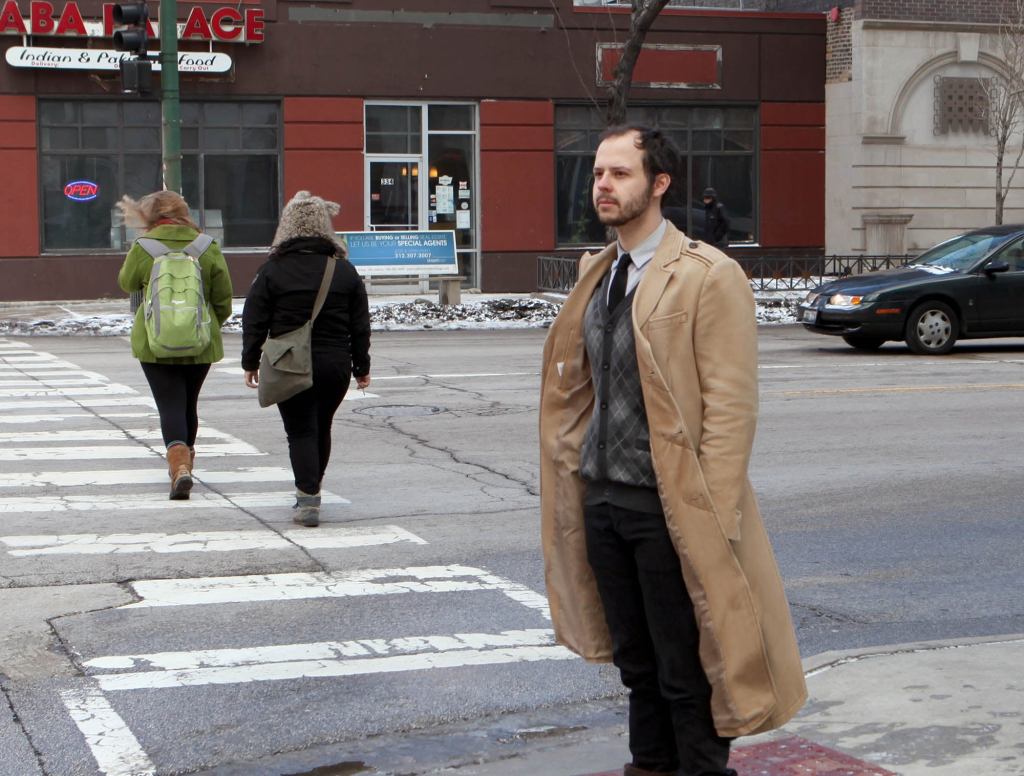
898, 389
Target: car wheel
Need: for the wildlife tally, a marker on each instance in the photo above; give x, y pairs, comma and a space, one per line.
932, 329
863, 341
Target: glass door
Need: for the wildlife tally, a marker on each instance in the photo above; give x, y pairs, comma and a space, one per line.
394, 195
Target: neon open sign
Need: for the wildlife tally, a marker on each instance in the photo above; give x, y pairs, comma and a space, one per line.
81, 191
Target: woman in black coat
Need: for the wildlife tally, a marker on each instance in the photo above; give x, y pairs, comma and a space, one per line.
280, 300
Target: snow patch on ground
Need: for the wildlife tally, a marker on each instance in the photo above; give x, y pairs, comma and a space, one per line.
773, 307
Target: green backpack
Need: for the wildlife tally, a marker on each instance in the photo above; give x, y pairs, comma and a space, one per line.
176, 314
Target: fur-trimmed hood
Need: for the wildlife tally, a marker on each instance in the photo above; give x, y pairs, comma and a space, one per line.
306, 215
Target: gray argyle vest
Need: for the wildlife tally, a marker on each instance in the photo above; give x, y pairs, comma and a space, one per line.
617, 443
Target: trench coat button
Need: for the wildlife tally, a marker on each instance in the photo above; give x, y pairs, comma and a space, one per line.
604, 366
600, 446
604, 405
694, 245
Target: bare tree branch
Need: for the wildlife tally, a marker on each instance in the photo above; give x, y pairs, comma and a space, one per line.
1004, 94
641, 17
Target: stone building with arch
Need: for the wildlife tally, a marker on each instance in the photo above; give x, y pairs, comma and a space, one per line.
909, 157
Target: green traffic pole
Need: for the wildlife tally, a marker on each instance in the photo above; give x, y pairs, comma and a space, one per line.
170, 101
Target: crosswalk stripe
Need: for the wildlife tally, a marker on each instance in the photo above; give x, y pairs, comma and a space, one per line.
151, 501
48, 382
102, 435
116, 749
111, 389
92, 453
321, 650
305, 669
26, 357
90, 403
34, 419
205, 541
339, 584
73, 479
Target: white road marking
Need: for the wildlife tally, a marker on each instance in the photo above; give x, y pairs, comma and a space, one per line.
321, 650
340, 584
15, 419
93, 453
47, 382
152, 501
74, 479
29, 357
319, 669
205, 541
55, 366
467, 374
90, 403
116, 749
103, 390
104, 435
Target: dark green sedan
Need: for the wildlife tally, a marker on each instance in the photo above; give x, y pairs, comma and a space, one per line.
968, 287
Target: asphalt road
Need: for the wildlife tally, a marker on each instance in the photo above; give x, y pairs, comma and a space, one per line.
409, 631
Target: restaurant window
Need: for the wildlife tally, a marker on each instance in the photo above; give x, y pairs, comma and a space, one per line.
717, 146
229, 169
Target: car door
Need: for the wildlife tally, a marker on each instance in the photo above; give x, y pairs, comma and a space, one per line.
1000, 299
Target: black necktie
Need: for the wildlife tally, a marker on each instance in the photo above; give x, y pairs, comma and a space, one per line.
617, 291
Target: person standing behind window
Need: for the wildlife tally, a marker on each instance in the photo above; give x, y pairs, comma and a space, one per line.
175, 382
716, 220
280, 300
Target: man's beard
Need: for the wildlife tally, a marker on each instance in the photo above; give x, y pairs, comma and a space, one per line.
628, 210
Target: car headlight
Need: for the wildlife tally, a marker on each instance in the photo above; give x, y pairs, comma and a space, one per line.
811, 297
846, 301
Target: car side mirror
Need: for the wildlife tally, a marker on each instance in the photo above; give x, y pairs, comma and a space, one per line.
996, 265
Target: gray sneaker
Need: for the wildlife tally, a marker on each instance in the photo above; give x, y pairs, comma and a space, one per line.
307, 509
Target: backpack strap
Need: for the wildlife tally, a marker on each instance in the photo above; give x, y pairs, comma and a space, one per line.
154, 248
198, 246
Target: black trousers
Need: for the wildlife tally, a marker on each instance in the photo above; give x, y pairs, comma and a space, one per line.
654, 643
308, 417
175, 389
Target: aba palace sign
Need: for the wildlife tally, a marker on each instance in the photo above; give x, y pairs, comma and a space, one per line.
227, 24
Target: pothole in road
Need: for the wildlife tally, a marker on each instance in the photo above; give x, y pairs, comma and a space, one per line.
399, 410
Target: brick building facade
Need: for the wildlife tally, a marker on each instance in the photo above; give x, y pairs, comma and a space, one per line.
909, 159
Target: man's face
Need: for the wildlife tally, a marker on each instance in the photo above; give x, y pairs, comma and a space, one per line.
707, 200
622, 191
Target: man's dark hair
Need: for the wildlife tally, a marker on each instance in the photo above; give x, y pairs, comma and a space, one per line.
660, 153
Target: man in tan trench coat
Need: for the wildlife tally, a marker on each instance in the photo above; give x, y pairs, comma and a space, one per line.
655, 554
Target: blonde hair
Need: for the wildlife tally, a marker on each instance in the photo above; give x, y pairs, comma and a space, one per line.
158, 206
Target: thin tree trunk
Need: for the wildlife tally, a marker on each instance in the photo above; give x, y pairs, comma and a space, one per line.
640, 20
1000, 194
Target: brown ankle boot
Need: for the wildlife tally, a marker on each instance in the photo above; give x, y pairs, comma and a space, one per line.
179, 467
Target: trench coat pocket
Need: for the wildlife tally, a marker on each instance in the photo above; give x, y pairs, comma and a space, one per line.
664, 321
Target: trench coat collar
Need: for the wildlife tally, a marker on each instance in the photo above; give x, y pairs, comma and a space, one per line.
652, 284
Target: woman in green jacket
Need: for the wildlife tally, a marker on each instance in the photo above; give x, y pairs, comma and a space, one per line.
175, 382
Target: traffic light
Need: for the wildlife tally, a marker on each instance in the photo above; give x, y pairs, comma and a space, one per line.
136, 17
136, 72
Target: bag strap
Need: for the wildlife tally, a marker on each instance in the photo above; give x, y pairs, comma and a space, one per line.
325, 284
198, 246
154, 248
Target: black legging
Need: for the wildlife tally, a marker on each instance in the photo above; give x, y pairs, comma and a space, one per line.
176, 389
308, 417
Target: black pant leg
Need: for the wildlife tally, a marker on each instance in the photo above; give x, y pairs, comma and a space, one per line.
167, 384
673, 630
651, 733
195, 376
307, 418
331, 376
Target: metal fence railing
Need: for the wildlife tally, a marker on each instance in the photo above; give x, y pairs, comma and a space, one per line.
557, 274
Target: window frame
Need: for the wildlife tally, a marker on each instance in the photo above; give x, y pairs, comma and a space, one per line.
120, 152
688, 154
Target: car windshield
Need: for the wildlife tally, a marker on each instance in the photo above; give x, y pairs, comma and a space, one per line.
960, 252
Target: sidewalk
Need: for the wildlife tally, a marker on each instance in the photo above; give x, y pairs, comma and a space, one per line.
928, 709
